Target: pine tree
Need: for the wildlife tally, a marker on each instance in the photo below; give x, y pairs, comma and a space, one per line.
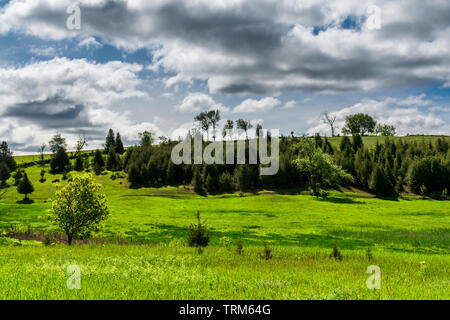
78, 164
134, 175
98, 159
379, 183
25, 186
6, 156
197, 181
346, 146
113, 161
60, 162
110, 142
119, 145
5, 174
357, 142
171, 176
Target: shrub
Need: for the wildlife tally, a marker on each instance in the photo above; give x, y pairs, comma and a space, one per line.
42, 180
369, 253
266, 253
240, 247
226, 241
198, 234
336, 254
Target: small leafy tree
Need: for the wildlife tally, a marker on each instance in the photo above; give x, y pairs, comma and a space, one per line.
359, 123
5, 174
385, 130
198, 235
25, 187
146, 138
57, 142
318, 167
80, 208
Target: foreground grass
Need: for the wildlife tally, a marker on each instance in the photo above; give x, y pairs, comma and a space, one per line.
177, 272
352, 220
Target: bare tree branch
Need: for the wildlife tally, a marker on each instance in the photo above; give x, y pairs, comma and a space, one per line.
329, 120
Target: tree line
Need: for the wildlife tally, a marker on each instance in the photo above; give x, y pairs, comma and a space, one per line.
386, 169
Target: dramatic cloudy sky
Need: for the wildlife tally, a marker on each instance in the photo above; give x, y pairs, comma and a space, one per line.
152, 65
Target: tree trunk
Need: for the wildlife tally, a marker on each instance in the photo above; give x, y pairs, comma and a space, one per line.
69, 240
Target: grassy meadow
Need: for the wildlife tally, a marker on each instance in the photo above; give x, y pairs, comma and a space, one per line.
141, 252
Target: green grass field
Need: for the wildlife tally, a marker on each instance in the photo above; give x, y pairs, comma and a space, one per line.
141, 253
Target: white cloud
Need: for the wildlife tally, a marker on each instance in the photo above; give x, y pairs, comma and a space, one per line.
415, 101
289, 105
195, 102
262, 105
407, 120
44, 52
89, 43
70, 96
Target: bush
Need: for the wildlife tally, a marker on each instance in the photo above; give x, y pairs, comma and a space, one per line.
266, 253
42, 180
336, 254
226, 241
240, 247
198, 234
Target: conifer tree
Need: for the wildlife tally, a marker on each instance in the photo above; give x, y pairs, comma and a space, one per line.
119, 145
25, 187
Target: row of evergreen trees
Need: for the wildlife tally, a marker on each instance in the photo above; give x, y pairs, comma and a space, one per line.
384, 168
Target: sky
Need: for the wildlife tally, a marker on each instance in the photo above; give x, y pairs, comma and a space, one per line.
141, 65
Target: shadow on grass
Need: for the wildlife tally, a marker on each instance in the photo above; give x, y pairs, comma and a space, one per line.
29, 201
340, 200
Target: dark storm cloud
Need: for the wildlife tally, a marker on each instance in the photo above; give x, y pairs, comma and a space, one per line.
53, 112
